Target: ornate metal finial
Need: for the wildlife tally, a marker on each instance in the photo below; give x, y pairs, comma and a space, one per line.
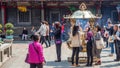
82, 6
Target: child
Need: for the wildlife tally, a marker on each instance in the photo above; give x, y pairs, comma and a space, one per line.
35, 58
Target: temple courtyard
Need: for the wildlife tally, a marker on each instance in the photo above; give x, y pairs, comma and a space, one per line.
20, 50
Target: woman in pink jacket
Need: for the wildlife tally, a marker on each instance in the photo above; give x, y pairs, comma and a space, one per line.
36, 58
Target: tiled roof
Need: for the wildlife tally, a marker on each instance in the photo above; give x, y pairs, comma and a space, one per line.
58, 0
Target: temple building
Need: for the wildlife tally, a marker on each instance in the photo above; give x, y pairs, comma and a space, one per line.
27, 13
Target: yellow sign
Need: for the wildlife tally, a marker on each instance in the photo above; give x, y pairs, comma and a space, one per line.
22, 8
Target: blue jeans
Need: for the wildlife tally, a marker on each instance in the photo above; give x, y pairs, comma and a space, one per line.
112, 47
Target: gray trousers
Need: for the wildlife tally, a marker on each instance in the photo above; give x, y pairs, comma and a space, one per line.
98, 51
58, 49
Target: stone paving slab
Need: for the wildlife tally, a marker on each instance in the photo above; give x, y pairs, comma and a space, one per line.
20, 51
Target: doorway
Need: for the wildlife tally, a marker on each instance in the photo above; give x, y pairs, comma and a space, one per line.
54, 16
114, 15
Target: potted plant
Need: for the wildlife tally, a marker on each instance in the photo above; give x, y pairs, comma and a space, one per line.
0, 28
9, 26
9, 31
0, 32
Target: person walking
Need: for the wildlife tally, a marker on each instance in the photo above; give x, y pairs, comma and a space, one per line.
76, 43
35, 52
52, 32
98, 36
117, 42
58, 41
42, 30
47, 33
89, 47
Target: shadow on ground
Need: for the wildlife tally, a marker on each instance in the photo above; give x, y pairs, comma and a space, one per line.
63, 64
108, 61
111, 65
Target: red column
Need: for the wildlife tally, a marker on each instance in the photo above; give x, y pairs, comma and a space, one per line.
3, 11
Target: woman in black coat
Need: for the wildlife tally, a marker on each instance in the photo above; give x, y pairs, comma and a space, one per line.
58, 41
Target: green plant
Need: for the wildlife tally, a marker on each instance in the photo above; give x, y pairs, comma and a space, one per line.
0, 26
9, 32
9, 26
0, 31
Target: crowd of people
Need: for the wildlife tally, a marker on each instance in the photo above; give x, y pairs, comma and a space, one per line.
94, 42
43, 36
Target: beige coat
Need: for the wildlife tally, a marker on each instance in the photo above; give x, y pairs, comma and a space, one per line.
75, 41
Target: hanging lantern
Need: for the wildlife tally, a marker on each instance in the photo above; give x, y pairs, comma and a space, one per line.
22, 8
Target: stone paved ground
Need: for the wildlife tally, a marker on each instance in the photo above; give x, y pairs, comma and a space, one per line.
20, 50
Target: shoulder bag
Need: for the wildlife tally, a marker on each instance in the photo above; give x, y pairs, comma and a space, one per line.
100, 43
110, 39
80, 43
27, 56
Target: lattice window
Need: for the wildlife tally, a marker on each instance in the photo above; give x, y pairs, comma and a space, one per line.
24, 17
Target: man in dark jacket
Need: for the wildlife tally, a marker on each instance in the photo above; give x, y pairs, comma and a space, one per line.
110, 28
111, 44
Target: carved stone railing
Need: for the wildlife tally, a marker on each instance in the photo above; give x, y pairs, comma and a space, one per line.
5, 52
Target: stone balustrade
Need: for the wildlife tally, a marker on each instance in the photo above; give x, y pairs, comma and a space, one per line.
5, 52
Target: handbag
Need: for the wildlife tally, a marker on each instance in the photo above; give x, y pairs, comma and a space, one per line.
58, 41
110, 39
100, 44
80, 48
27, 56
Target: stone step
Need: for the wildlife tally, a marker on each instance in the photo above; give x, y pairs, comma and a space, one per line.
18, 38
18, 30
